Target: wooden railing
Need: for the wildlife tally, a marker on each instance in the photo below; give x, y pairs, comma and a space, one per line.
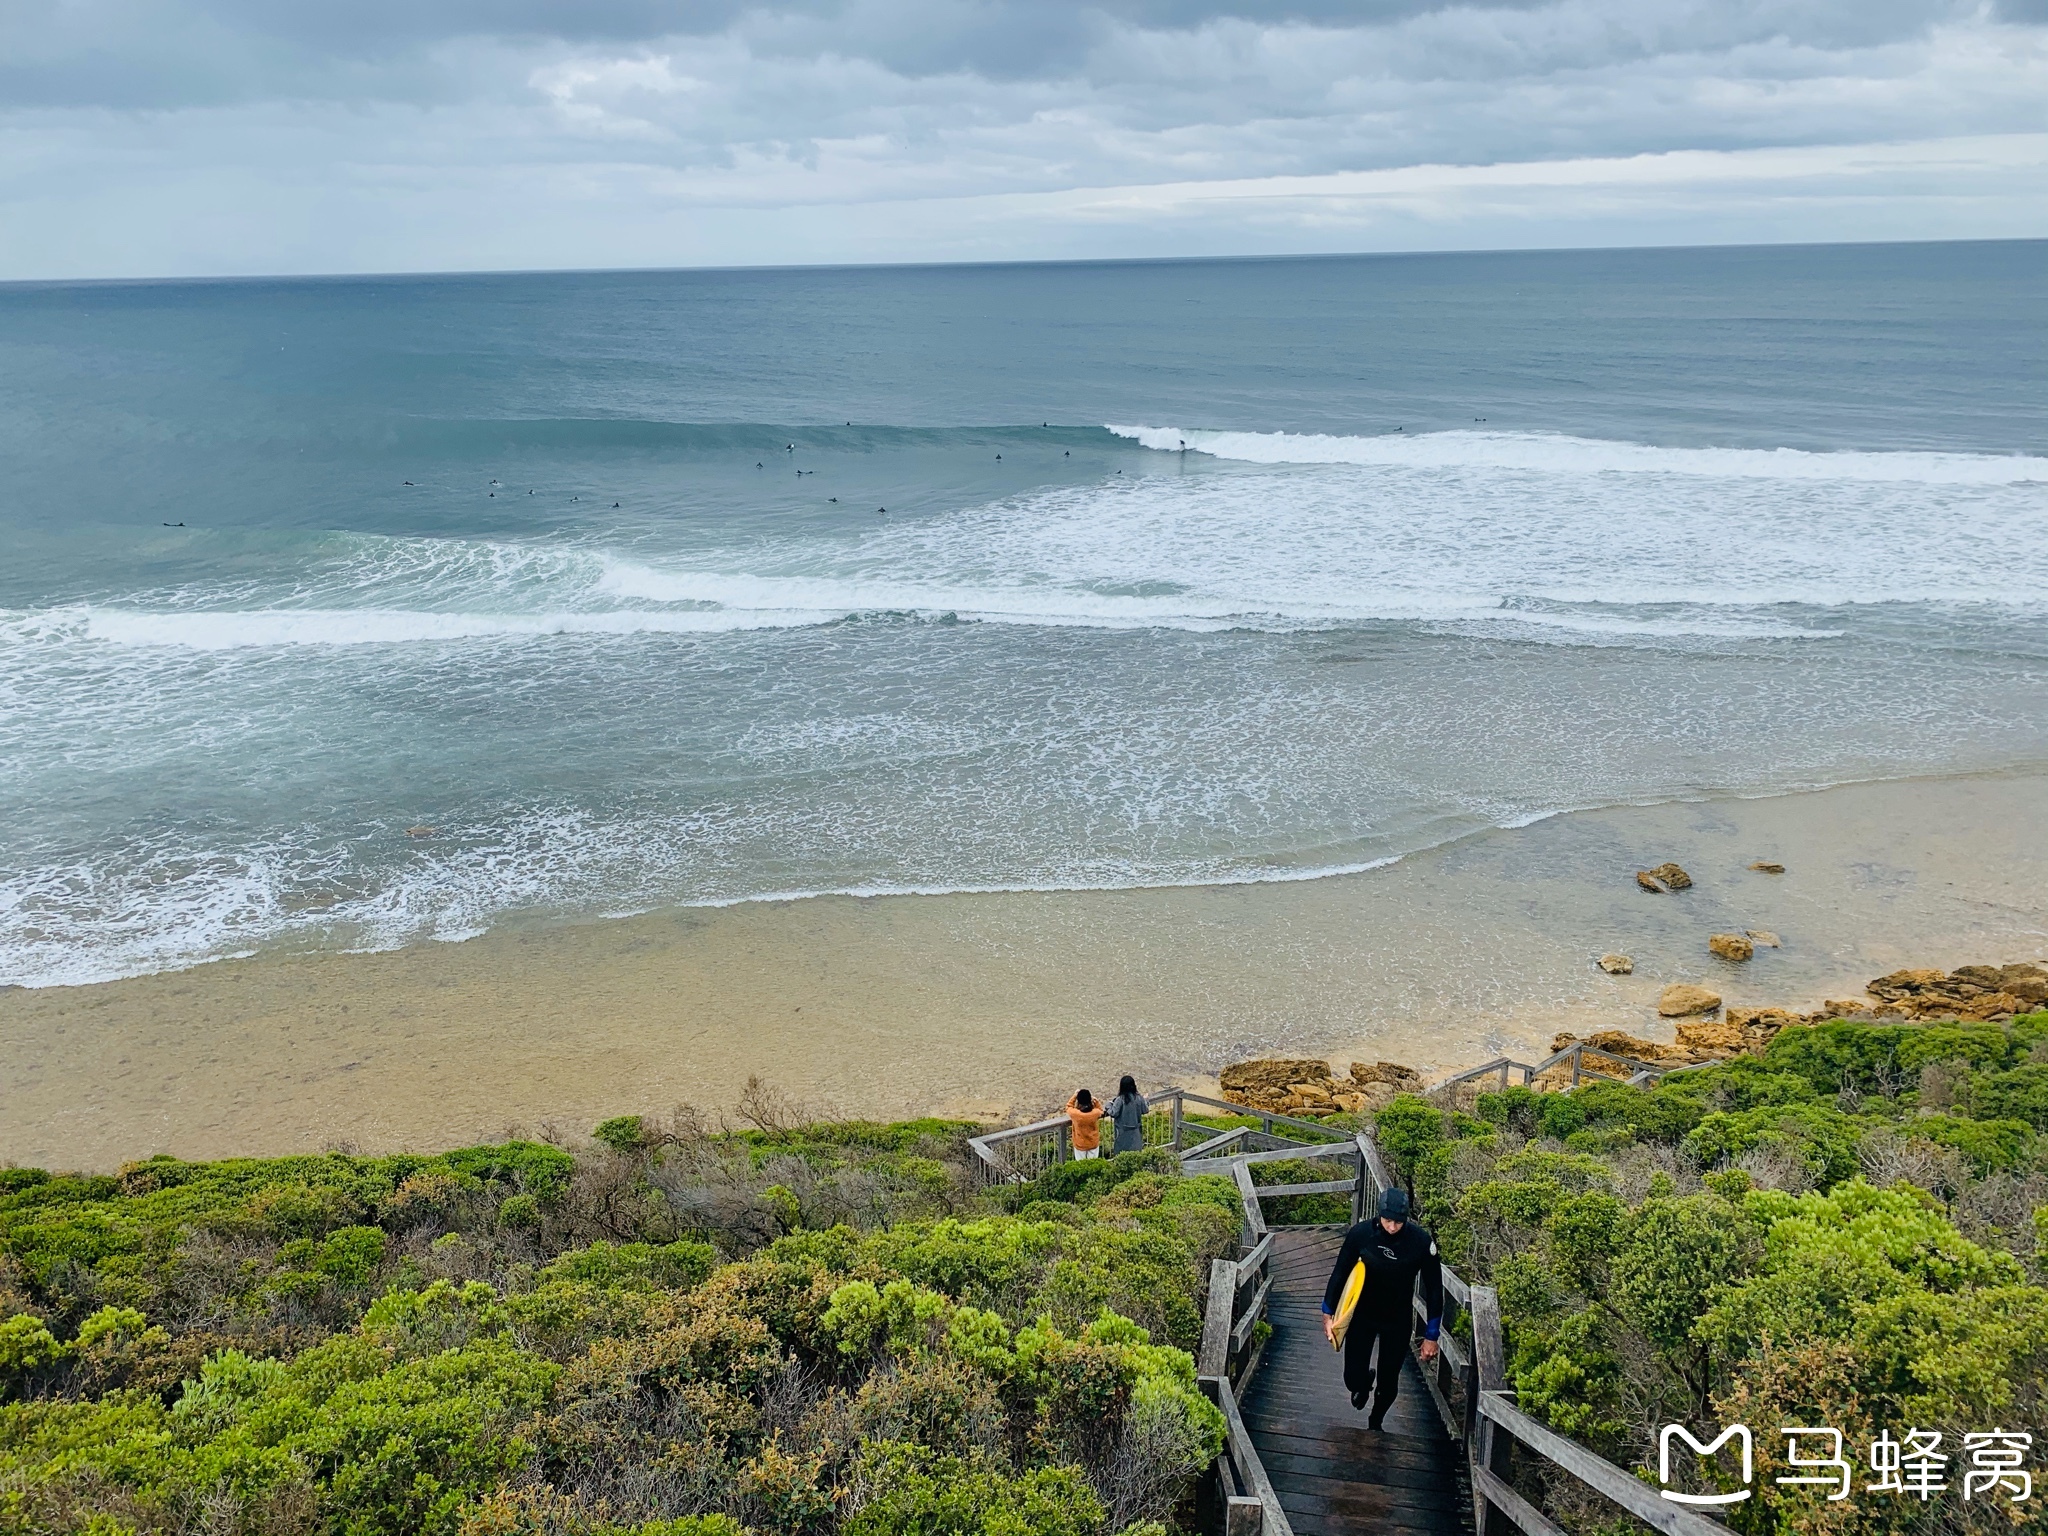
1636, 1073
1493, 1429
1239, 1289
1468, 1383
1020, 1153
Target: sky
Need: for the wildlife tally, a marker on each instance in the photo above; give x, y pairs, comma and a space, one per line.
230, 137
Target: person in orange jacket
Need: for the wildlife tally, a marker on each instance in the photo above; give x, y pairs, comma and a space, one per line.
1086, 1117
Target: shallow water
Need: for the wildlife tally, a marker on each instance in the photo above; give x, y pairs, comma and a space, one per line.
1453, 542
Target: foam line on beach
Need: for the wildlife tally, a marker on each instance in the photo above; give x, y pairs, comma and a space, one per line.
1552, 453
270, 628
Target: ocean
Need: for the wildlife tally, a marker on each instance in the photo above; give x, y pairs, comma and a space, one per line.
356, 612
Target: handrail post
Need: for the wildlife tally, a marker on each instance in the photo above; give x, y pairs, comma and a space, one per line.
1488, 1447
1177, 1117
1216, 1320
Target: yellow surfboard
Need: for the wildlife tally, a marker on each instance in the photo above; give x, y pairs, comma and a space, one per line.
1347, 1303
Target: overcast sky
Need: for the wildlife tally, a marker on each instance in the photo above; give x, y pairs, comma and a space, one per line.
142, 137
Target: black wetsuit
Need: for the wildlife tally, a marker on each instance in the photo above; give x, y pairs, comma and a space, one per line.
1385, 1312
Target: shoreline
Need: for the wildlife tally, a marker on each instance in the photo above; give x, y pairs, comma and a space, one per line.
988, 1005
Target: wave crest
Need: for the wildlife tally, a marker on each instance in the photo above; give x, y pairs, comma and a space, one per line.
1550, 453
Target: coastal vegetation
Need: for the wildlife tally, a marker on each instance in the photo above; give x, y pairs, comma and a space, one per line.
1847, 1229
670, 1331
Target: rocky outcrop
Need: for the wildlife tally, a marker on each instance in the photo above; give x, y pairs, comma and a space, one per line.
1682, 999
1673, 877
1979, 992
1402, 1079
1766, 867
1617, 965
1731, 946
1650, 1053
1301, 1087
1248, 1081
1649, 882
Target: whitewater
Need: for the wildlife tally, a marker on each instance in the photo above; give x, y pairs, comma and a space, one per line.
532, 615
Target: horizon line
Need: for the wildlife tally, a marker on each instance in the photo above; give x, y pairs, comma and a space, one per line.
395, 274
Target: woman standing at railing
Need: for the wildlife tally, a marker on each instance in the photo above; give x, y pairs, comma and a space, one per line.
1085, 1118
1127, 1110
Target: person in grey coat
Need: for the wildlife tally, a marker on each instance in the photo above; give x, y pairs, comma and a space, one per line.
1127, 1110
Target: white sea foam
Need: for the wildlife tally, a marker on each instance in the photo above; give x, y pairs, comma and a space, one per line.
1555, 454
1443, 535
214, 631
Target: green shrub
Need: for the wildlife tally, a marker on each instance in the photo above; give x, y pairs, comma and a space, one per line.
1989, 1144
1408, 1129
2020, 1094
916, 1492
649, 1266
622, 1133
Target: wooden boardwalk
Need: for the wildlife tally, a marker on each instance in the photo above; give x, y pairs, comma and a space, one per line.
1333, 1475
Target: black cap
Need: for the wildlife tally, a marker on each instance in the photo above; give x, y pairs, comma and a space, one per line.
1394, 1205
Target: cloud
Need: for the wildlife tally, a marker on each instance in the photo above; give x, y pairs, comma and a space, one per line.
260, 133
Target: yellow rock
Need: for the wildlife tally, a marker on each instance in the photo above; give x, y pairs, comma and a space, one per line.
1682, 999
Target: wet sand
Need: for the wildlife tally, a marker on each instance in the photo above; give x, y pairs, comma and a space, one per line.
998, 1005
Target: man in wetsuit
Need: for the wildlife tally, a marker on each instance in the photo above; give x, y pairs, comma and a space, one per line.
1394, 1251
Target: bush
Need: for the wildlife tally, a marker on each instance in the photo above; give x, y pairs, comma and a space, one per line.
1710, 1250
515, 1341
915, 1492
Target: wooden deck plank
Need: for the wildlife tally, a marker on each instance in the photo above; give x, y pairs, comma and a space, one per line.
1333, 1476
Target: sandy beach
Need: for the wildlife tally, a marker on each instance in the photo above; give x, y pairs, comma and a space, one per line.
997, 1005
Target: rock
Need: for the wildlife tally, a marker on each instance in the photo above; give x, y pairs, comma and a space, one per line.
1902, 984
1620, 1042
1388, 1073
1764, 867
1759, 1025
1714, 1037
1976, 992
1270, 1083
1763, 938
1731, 946
420, 831
1649, 882
1673, 876
1635, 1047
1681, 999
1617, 965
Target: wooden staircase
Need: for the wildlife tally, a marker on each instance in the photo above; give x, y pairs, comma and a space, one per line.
1334, 1476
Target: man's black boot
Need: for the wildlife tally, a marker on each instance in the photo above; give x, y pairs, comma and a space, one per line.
1358, 1399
